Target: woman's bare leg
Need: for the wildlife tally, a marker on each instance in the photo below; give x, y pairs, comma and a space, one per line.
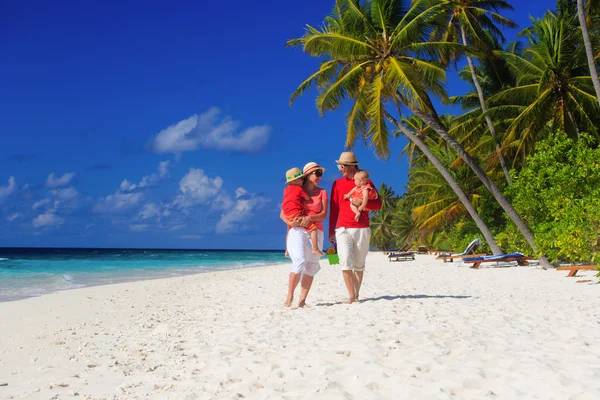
293, 282
307, 281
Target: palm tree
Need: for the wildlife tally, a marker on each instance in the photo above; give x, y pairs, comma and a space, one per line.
372, 56
473, 22
494, 76
423, 131
553, 88
437, 204
376, 54
382, 230
387, 196
588, 47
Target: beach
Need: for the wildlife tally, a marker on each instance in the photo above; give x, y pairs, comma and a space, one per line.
422, 330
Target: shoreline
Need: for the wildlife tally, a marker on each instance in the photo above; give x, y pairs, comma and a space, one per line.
423, 329
148, 277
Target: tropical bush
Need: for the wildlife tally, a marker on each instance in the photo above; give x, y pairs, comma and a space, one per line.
558, 195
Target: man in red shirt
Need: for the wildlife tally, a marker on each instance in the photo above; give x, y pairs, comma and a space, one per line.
352, 237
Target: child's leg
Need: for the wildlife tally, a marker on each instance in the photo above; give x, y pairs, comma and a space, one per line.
314, 239
356, 212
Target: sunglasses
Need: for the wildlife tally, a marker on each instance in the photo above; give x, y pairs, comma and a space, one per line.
318, 173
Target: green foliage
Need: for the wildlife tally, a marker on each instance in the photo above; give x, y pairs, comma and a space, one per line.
558, 195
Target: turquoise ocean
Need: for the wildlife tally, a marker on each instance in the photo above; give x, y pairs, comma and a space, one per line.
29, 272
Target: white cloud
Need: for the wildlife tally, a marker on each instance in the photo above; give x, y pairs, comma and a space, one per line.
210, 131
118, 202
191, 237
150, 210
12, 217
64, 180
163, 172
65, 193
138, 227
197, 188
47, 219
245, 205
163, 168
6, 191
40, 203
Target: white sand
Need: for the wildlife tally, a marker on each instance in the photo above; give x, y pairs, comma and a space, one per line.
424, 330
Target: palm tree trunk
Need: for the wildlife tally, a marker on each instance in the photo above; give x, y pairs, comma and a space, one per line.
484, 109
502, 201
487, 234
588, 48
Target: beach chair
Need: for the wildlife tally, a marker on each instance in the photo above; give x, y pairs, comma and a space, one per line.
403, 249
518, 257
468, 251
422, 250
573, 269
404, 256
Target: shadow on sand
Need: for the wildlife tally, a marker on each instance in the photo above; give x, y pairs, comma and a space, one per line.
389, 298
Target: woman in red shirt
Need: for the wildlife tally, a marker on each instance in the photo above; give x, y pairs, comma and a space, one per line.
305, 264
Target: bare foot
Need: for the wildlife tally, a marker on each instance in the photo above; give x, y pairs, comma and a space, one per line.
318, 252
303, 305
350, 301
288, 302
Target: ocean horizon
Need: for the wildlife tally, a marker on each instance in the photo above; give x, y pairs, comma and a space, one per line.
36, 271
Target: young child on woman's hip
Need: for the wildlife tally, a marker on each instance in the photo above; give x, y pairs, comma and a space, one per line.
294, 197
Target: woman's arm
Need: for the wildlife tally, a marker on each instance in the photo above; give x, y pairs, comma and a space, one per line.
323, 214
298, 221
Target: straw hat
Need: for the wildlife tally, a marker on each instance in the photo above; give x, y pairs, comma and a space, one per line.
347, 158
293, 174
312, 166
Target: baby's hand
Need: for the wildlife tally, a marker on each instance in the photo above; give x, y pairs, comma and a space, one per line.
346, 196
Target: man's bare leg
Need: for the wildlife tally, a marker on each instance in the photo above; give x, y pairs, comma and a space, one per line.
358, 277
305, 285
293, 282
349, 280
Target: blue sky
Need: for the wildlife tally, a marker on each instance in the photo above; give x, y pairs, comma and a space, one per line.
163, 124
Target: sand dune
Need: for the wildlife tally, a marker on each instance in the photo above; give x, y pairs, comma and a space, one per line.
423, 330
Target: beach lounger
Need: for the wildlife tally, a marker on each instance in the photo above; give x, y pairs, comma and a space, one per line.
403, 249
468, 251
518, 257
406, 256
573, 269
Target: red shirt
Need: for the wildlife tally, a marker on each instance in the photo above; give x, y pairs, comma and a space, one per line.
293, 200
315, 205
340, 214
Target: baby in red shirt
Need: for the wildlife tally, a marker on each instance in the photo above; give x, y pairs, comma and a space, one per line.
363, 190
294, 197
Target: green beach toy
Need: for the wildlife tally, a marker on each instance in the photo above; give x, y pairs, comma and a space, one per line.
332, 256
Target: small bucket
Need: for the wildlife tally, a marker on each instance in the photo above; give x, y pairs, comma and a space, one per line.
333, 259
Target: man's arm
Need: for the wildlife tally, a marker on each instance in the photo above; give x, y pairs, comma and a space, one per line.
374, 204
334, 208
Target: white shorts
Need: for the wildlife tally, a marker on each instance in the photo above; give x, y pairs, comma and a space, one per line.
300, 249
353, 247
